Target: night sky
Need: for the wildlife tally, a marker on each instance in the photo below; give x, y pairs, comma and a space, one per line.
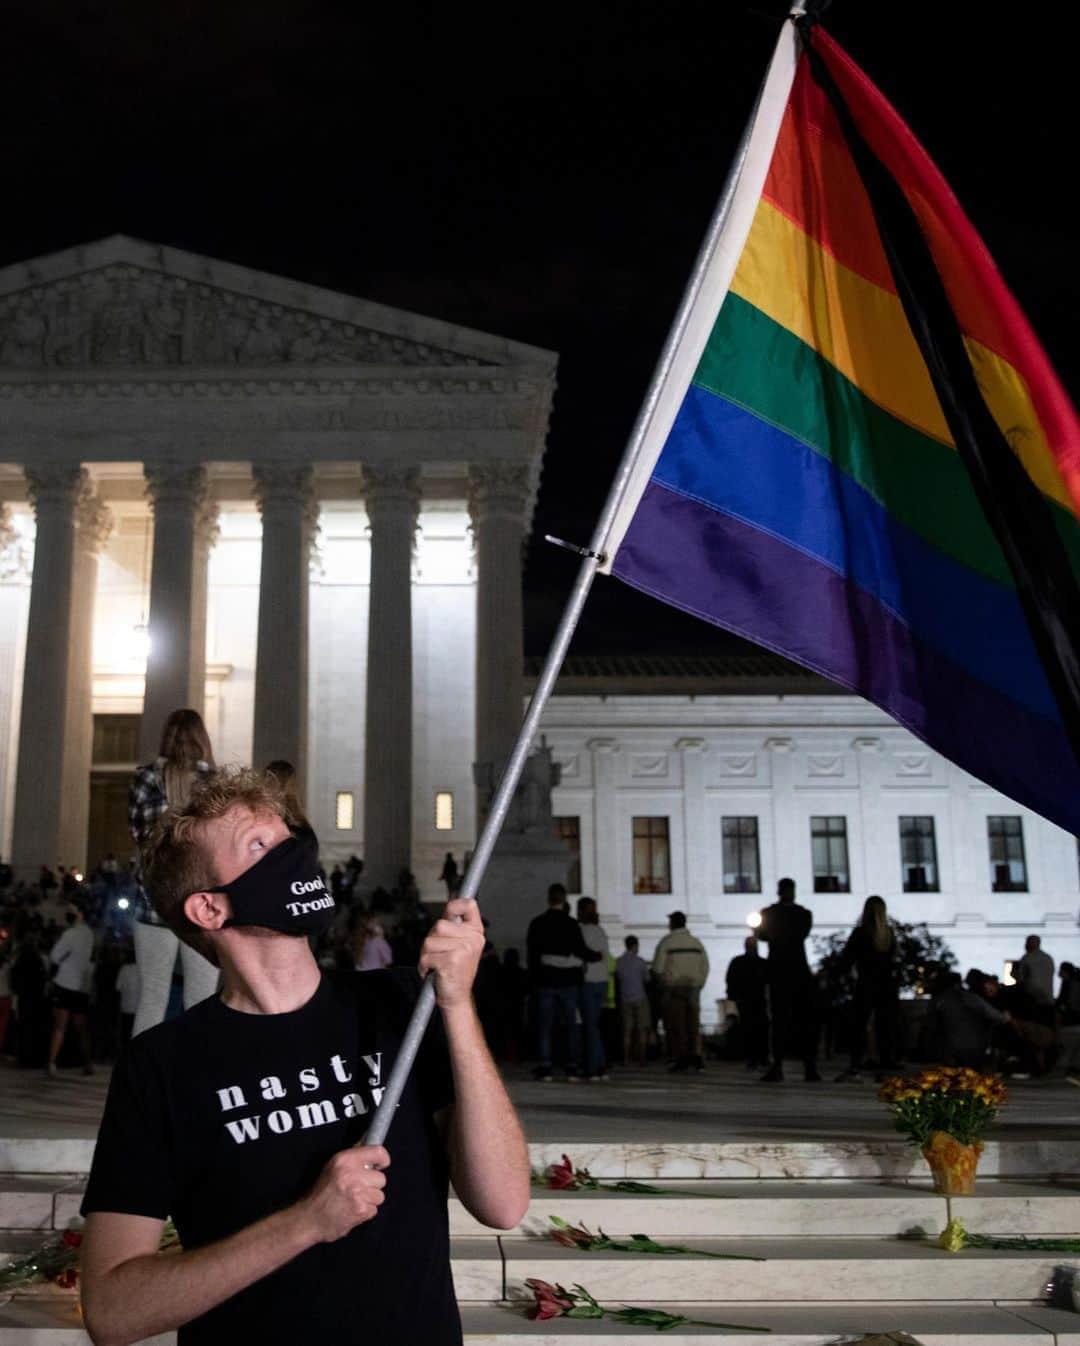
544, 172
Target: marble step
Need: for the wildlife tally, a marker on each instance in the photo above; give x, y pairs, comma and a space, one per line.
1030, 1157
811, 1209
710, 1208
39, 1200
805, 1270
37, 1322
891, 1159
15, 1243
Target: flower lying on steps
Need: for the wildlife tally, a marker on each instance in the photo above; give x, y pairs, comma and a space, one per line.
579, 1237
565, 1177
56, 1261
954, 1237
556, 1301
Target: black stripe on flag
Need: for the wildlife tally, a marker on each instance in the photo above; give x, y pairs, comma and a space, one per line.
1014, 506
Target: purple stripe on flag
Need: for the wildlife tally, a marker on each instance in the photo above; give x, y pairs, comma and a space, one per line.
747, 581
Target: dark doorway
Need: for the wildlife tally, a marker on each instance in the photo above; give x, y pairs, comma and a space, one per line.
116, 740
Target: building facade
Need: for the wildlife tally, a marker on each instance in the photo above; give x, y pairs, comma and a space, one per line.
696, 785
176, 436
304, 514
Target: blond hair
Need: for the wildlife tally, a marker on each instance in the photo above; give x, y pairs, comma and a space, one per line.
184, 744
176, 861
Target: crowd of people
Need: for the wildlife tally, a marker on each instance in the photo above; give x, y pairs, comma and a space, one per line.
1019, 1027
86, 962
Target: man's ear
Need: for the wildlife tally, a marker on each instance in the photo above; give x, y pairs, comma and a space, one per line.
207, 911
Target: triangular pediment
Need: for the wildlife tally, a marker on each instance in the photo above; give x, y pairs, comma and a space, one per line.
124, 303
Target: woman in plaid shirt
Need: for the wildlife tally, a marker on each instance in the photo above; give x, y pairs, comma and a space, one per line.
185, 757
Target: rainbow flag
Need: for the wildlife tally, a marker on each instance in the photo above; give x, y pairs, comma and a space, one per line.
816, 476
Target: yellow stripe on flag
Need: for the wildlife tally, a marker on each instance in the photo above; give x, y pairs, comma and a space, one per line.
862, 330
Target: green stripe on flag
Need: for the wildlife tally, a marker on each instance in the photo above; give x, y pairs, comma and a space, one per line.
759, 365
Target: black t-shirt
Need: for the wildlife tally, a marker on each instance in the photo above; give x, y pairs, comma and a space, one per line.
219, 1118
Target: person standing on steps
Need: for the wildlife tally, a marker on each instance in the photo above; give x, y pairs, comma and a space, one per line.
747, 985
184, 758
792, 1013
632, 974
594, 988
681, 966
871, 950
557, 954
69, 960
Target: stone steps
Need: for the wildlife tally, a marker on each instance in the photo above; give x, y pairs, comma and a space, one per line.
55, 1322
808, 1270
494, 1268
1020, 1157
825, 1208
830, 1218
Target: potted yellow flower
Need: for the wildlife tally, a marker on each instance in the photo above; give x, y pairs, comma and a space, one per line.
945, 1110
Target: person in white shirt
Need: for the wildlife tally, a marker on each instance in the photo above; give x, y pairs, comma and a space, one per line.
69, 961
681, 966
593, 989
127, 988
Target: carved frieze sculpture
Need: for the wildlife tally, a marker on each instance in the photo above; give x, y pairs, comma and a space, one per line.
123, 316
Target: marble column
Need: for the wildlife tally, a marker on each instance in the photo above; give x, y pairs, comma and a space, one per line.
289, 514
875, 856
393, 504
184, 530
93, 524
608, 846
791, 852
498, 495
37, 834
692, 752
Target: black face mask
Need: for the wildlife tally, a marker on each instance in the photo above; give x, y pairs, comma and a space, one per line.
284, 891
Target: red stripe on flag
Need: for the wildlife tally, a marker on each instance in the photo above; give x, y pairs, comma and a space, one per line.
983, 303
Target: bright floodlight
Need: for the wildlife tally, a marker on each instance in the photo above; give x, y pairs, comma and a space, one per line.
123, 904
754, 920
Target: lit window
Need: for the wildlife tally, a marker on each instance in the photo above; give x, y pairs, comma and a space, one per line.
652, 856
344, 810
1008, 866
918, 854
444, 811
742, 868
828, 842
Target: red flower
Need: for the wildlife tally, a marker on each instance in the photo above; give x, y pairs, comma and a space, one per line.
552, 1301
72, 1238
573, 1236
561, 1177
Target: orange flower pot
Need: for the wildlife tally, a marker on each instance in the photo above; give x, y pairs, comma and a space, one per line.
952, 1164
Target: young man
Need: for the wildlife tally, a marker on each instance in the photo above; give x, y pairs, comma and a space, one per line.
242, 1119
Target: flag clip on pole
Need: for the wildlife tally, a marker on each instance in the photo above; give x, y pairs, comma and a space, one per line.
593, 557
573, 546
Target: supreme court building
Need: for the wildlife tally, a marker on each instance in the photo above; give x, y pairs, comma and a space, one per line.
304, 514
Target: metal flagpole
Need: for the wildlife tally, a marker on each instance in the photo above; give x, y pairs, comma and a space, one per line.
592, 557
